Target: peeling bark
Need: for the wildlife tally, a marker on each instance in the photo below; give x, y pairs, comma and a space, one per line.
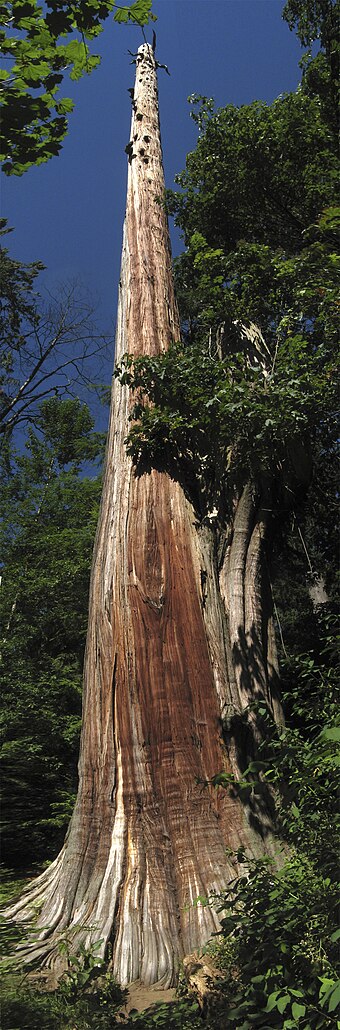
177, 647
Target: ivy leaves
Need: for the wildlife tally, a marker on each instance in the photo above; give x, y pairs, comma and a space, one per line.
40, 47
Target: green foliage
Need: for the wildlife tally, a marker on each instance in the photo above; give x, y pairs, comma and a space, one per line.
17, 295
49, 513
312, 19
18, 314
41, 44
139, 13
302, 762
86, 990
217, 420
281, 925
255, 174
251, 209
279, 939
318, 20
87, 996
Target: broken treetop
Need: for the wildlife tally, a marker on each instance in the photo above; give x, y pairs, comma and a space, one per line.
150, 311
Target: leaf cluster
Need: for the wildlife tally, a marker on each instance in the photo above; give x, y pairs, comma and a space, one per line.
284, 947
317, 21
255, 174
302, 762
17, 295
217, 420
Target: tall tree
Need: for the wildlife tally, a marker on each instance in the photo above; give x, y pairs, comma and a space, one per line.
180, 643
181, 662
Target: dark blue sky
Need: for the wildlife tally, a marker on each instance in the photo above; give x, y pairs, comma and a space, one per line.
69, 212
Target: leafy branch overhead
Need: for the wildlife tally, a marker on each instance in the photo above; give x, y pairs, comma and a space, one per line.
41, 45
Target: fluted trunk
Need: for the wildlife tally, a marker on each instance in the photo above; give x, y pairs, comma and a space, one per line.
179, 641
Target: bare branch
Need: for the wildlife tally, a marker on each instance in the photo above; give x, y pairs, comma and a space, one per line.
58, 348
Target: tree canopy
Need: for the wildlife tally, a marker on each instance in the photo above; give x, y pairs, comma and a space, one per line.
318, 21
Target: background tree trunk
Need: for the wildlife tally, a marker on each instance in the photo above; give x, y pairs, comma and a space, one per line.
178, 644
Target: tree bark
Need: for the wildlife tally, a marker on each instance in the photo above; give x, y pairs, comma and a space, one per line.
179, 642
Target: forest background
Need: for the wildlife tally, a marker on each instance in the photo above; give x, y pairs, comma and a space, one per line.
273, 263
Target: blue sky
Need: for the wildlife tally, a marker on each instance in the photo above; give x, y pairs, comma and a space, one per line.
69, 213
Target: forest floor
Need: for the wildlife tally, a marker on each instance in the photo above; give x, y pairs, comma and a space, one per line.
142, 997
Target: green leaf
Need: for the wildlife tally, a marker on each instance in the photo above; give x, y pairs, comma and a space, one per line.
331, 733
122, 15
330, 218
65, 105
298, 1010
272, 1001
282, 1002
326, 989
334, 1000
139, 12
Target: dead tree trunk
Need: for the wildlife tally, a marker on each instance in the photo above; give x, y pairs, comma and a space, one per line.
178, 644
